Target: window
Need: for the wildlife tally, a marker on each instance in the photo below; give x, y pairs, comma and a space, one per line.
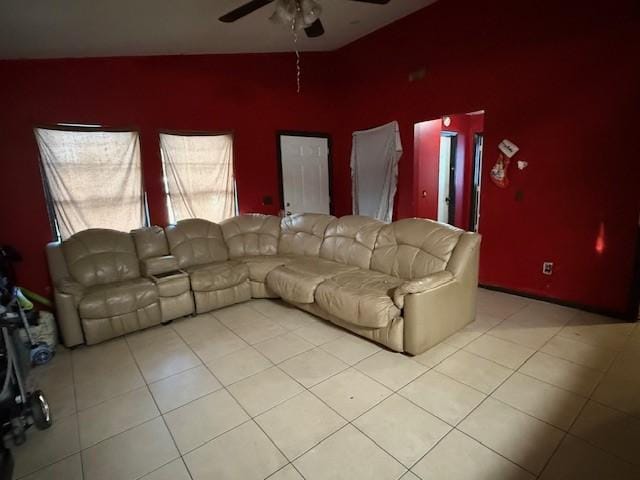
198, 176
92, 179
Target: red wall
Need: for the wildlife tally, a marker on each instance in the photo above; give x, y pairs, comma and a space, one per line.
560, 79
252, 95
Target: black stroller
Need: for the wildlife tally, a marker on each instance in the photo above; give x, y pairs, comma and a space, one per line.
19, 408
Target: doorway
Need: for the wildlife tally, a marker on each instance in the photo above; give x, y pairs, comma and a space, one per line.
447, 176
305, 172
448, 166
476, 186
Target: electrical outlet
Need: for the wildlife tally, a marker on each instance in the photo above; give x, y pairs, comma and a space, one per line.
547, 268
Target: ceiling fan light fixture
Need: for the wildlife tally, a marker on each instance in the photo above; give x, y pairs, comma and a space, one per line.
300, 13
311, 10
285, 12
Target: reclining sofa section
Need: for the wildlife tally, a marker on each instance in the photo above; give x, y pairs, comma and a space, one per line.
407, 285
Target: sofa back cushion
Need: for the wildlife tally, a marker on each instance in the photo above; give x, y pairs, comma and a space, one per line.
350, 240
100, 256
150, 242
414, 248
196, 242
302, 233
250, 235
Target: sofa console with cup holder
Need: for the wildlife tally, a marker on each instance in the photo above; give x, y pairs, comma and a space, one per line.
407, 285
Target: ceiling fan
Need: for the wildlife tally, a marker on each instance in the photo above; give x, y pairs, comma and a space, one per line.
300, 14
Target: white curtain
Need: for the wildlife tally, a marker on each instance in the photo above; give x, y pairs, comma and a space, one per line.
94, 179
375, 154
198, 173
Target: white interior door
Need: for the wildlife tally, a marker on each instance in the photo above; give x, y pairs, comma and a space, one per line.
305, 174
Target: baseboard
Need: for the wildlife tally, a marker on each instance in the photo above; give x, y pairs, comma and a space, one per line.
579, 306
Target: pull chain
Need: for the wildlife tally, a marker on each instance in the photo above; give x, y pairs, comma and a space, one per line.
295, 44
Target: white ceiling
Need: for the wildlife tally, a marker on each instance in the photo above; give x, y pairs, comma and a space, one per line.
97, 28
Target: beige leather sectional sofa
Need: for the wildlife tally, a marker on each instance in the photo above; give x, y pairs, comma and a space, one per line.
407, 285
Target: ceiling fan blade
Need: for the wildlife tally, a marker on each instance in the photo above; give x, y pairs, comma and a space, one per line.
245, 9
377, 2
315, 29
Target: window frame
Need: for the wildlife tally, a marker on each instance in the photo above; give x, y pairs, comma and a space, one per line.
195, 133
83, 128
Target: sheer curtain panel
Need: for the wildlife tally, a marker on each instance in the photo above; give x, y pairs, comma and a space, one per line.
93, 179
375, 154
198, 173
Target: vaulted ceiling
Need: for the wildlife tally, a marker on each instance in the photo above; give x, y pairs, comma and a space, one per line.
97, 28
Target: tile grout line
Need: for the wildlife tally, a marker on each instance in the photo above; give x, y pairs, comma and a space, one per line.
147, 385
568, 431
475, 439
250, 417
77, 413
41, 469
79, 452
565, 433
539, 350
589, 399
347, 422
351, 422
574, 420
490, 395
159, 412
394, 391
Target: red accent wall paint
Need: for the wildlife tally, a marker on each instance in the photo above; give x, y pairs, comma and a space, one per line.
250, 95
560, 79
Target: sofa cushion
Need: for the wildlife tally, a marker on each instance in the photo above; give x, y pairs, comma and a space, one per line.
362, 297
297, 281
100, 256
350, 240
261, 265
150, 242
414, 248
120, 298
302, 233
196, 242
217, 276
251, 234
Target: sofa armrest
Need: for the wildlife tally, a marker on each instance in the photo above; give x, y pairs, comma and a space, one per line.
157, 265
68, 318
433, 315
69, 286
421, 285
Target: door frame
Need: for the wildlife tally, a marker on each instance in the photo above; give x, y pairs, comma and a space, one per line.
474, 205
299, 133
453, 166
633, 309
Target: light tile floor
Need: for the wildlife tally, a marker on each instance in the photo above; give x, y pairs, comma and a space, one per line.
263, 390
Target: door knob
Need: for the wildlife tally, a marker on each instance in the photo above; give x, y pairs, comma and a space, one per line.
424, 194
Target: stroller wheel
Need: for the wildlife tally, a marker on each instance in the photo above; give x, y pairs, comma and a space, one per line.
40, 410
41, 354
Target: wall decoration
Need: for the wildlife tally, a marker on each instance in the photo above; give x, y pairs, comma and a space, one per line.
499, 171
